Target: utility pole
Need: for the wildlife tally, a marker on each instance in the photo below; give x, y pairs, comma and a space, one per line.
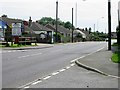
72, 25
56, 38
118, 33
109, 24
76, 17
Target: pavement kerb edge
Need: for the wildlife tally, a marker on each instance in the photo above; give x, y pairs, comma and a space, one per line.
90, 68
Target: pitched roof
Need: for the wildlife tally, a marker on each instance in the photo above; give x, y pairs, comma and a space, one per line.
10, 20
37, 27
61, 29
28, 29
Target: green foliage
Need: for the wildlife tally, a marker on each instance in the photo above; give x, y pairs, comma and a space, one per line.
97, 36
46, 20
49, 20
90, 30
68, 25
116, 57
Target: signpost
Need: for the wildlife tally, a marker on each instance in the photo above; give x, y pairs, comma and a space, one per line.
16, 31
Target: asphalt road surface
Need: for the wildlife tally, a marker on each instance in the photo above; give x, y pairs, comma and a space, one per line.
20, 67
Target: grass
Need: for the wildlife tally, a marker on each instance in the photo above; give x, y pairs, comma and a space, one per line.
116, 57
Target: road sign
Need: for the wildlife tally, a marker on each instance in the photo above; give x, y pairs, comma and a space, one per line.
16, 29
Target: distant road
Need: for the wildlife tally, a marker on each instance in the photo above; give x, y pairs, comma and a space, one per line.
21, 67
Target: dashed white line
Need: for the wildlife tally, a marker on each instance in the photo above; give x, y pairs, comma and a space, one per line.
24, 56
55, 73
36, 82
29, 55
36, 54
67, 67
72, 64
62, 70
27, 87
46, 77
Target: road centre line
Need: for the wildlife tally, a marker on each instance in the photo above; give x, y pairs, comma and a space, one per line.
24, 56
29, 55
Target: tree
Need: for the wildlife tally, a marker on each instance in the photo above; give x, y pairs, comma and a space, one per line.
49, 20
46, 20
86, 29
68, 25
90, 30
4, 15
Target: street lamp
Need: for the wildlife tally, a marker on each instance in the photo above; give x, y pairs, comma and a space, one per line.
98, 23
76, 13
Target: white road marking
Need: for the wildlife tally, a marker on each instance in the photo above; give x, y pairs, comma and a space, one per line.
13, 51
35, 54
55, 73
24, 56
29, 55
46, 77
67, 67
9, 51
72, 64
113, 76
27, 87
36, 82
62, 70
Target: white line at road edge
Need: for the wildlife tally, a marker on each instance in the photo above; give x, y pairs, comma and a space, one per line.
45, 77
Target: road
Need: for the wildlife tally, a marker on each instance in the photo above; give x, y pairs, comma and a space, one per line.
20, 67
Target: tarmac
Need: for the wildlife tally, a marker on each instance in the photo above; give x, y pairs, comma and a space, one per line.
100, 62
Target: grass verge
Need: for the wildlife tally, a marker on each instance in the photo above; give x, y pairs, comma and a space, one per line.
116, 57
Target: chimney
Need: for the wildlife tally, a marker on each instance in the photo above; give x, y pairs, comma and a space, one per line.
30, 22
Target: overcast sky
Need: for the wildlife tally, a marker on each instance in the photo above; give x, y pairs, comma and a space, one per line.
89, 12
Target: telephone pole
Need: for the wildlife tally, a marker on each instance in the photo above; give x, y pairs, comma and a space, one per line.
56, 38
72, 25
109, 24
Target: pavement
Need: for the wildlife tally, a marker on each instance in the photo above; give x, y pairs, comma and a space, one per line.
100, 62
39, 46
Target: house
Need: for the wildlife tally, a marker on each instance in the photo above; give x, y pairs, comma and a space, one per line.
43, 34
87, 33
64, 35
25, 30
